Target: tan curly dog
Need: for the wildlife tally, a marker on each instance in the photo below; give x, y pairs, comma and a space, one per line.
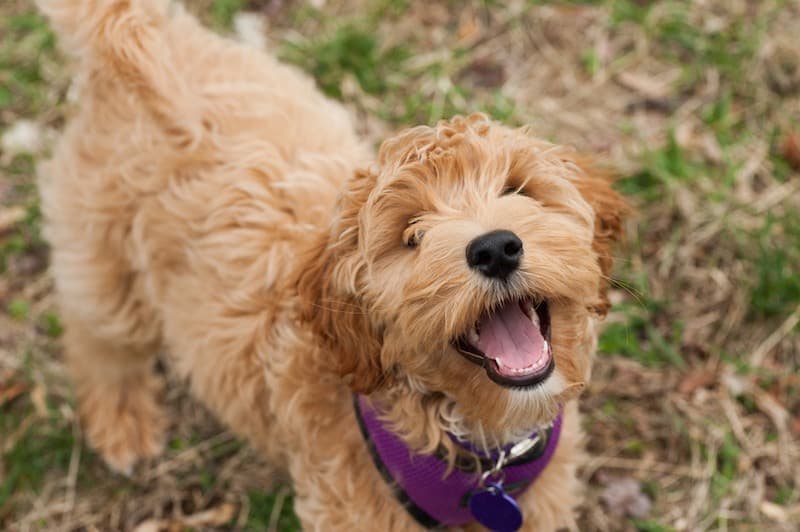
208, 202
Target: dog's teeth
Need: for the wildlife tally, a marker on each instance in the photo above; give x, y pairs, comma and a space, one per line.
534, 316
473, 337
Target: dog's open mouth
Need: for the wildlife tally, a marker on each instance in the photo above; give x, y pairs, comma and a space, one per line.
512, 343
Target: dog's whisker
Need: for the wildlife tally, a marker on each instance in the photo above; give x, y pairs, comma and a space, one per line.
637, 295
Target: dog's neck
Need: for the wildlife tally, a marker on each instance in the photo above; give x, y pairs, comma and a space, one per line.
434, 490
429, 421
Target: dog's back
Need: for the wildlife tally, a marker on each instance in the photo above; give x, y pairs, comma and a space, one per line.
149, 56
175, 203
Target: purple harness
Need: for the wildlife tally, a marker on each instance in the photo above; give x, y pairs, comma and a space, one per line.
435, 499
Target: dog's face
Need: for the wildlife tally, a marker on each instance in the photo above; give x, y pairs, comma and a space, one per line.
469, 263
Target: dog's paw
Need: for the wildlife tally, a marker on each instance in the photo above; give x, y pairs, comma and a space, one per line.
124, 426
122, 455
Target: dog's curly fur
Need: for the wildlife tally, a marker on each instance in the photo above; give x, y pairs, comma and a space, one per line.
207, 200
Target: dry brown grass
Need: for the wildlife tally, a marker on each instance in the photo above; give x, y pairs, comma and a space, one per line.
697, 393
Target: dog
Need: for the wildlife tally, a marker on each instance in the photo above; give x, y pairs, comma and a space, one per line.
325, 302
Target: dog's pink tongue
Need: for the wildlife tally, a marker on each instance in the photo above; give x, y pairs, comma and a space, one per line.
509, 335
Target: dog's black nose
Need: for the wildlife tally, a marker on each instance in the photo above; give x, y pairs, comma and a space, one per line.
495, 254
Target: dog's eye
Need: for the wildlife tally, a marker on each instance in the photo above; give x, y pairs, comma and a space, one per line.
414, 238
510, 189
412, 235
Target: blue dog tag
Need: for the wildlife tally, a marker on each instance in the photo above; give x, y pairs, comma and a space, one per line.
495, 509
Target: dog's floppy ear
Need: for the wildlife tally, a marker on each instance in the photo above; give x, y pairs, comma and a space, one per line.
610, 209
329, 290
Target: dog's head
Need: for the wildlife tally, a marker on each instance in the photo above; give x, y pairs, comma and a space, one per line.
471, 262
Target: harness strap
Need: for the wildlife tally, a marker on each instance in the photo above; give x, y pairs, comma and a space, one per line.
421, 483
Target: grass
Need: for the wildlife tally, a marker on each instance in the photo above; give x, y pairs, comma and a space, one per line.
265, 504
638, 339
43, 450
708, 277
26, 45
223, 12
775, 289
354, 48
349, 50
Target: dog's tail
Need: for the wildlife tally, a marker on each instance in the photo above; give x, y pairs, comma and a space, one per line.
129, 41
105, 26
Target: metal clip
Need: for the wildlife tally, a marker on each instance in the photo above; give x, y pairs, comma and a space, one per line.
496, 473
522, 447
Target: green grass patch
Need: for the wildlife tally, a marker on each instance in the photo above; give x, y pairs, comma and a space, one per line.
26, 238
776, 287
26, 43
51, 324
644, 329
19, 309
44, 448
262, 506
379, 10
349, 50
784, 495
671, 166
224, 11
590, 61
647, 525
727, 467
353, 48
723, 120
647, 335
628, 11
424, 108
726, 47
662, 170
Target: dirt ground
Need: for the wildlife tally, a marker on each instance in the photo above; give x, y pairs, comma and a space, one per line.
693, 414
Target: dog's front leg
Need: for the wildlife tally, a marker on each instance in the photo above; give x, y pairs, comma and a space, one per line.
346, 493
337, 485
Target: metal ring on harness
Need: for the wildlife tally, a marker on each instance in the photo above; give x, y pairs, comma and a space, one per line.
496, 473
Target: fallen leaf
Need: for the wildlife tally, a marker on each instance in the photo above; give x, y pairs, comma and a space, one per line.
486, 72
695, 380
11, 392
469, 28
790, 150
